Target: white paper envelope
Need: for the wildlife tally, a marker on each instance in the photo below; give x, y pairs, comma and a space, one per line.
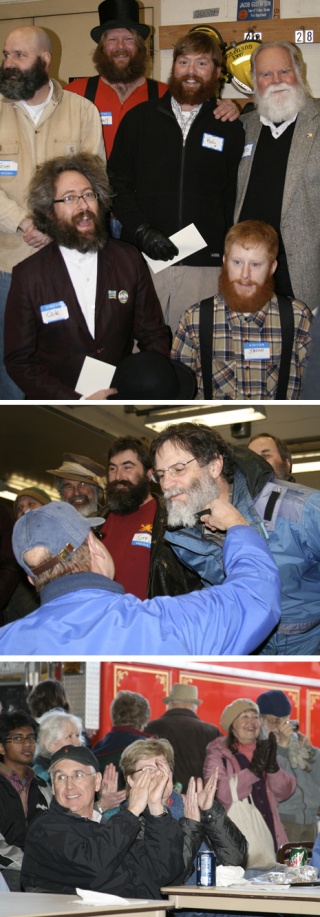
187, 240
91, 897
94, 376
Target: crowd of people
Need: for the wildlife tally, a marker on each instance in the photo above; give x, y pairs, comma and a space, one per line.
190, 546
134, 840
229, 320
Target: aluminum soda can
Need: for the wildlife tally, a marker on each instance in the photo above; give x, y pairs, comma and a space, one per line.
298, 856
206, 868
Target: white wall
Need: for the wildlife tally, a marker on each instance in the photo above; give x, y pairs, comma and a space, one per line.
182, 12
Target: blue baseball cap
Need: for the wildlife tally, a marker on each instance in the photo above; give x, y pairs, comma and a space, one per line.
57, 527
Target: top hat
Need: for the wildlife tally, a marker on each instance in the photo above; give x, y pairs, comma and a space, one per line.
150, 374
119, 14
186, 694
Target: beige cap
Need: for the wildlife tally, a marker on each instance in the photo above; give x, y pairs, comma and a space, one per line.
230, 713
187, 694
80, 468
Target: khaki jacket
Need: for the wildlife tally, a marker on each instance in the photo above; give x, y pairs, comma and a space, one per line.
69, 124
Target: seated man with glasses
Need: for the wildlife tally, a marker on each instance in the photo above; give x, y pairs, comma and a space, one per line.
23, 796
84, 295
133, 854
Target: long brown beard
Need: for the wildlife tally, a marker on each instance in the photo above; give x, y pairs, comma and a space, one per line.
66, 234
107, 67
236, 302
205, 89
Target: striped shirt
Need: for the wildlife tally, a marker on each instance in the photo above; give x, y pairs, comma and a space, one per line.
233, 375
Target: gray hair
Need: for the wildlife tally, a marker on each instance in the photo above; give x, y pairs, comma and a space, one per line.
130, 709
51, 727
295, 55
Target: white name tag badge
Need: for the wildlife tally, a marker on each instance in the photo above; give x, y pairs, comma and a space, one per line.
211, 142
142, 539
8, 167
54, 312
257, 351
106, 117
247, 150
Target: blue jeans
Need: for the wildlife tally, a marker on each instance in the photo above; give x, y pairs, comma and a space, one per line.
9, 391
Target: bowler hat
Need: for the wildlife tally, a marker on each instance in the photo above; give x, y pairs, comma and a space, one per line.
119, 14
187, 694
231, 711
79, 753
274, 703
150, 374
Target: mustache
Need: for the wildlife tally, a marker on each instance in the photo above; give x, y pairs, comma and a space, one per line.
278, 88
8, 72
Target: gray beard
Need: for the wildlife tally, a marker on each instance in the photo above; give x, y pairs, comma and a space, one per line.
200, 492
283, 108
90, 508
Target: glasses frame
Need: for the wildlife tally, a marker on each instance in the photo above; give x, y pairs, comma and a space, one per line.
70, 199
20, 740
174, 474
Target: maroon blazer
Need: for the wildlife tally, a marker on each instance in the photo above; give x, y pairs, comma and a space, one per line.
45, 359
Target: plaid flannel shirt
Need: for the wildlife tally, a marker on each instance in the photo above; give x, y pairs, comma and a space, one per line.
234, 376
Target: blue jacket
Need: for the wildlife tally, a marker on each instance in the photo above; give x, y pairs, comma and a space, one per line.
293, 534
100, 619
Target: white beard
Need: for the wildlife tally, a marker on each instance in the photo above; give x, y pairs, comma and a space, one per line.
281, 106
199, 492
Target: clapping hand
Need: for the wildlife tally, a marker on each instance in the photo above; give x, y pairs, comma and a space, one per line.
110, 797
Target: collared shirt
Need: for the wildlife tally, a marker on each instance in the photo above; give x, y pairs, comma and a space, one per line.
21, 786
184, 118
233, 375
82, 268
277, 129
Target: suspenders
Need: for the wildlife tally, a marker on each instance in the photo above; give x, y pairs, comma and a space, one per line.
92, 86
206, 324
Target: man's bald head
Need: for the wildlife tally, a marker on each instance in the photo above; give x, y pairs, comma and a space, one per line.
36, 37
26, 60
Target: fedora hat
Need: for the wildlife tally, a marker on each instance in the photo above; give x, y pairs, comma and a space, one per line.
149, 374
80, 468
187, 694
119, 14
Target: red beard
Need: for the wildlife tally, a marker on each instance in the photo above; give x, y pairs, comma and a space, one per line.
192, 95
259, 298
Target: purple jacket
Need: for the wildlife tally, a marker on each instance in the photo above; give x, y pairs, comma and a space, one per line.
45, 359
279, 785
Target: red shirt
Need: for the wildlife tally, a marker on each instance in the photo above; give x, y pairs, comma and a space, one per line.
110, 106
128, 538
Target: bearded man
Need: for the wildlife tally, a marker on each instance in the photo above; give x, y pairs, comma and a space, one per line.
120, 59
131, 510
236, 343
37, 120
174, 164
84, 295
278, 179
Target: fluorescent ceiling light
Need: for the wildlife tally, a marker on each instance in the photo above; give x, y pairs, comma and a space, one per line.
214, 418
299, 467
7, 495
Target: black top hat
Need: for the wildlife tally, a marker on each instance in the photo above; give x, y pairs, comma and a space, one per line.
151, 375
119, 14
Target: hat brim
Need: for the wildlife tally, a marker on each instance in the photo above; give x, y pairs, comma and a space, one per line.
140, 27
191, 701
72, 476
187, 380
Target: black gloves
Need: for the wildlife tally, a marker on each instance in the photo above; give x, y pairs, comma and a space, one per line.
154, 243
265, 756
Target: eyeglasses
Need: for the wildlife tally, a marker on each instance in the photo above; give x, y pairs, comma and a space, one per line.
176, 471
21, 740
76, 776
71, 199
